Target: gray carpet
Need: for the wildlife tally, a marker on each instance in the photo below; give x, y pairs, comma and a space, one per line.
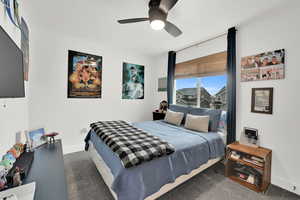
85, 183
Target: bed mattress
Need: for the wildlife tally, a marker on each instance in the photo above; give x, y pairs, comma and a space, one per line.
192, 149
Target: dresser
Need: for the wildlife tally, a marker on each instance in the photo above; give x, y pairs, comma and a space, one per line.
47, 171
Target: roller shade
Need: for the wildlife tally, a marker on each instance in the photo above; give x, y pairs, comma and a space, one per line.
211, 65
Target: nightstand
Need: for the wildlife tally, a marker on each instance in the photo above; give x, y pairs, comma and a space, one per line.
249, 166
158, 115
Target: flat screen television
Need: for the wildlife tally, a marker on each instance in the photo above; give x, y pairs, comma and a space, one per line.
11, 68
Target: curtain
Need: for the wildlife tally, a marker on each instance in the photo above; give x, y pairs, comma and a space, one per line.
171, 72
231, 85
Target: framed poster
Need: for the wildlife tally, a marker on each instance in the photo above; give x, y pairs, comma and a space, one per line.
25, 47
84, 75
264, 66
162, 84
133, 81
262, 100
36, 137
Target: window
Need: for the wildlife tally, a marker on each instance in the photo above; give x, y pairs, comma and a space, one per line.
204, 92
202, 82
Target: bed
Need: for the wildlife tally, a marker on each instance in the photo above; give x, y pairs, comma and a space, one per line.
194, 152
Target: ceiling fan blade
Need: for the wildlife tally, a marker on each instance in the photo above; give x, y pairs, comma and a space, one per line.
133, 20
172, 29
167, 5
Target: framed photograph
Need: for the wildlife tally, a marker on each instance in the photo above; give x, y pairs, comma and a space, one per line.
162, 84
133, 81
36, 137
262, 100
264, 66
84, 75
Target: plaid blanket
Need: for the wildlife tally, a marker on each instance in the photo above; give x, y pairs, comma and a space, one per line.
132, 145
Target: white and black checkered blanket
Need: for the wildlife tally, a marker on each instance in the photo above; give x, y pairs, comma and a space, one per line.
132, 145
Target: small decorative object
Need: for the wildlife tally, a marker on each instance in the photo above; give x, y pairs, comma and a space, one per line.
28, 143
3, 173
249, 137
17, 177
36, 137
262, 100
14, 152
9, 156
85, 75
162, 84
7, 164
163, 106
51, 137
19, 149
264, 66
133, 81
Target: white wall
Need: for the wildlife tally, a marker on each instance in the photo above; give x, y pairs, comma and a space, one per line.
161, 71
13, 112
279, 132
49, 106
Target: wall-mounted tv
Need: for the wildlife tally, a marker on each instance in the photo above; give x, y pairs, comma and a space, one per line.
11, 68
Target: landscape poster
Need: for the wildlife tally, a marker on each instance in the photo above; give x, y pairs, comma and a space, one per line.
84, 76
133, 81
264, 66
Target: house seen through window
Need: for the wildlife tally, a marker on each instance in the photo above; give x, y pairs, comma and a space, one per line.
202, 92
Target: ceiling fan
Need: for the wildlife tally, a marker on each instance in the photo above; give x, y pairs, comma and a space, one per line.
158, 13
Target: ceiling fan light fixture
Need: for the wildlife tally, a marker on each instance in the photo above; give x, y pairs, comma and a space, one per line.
157, 24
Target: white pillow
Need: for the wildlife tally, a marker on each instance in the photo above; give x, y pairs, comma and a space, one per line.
174, 117
197, 123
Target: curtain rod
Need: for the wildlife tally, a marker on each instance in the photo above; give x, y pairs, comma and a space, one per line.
202, 42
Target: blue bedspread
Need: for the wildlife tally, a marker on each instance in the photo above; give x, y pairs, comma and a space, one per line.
192, 149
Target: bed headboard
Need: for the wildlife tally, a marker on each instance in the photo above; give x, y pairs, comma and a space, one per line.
214, 115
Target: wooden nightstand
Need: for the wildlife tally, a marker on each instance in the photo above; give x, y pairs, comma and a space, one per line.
252, 161
158, 115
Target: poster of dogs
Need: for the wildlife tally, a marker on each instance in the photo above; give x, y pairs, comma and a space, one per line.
133, 81
264, 66
84, 76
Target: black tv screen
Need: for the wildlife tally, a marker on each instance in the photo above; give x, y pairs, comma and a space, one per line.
11, 68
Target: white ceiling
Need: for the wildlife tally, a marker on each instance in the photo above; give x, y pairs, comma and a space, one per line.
97, 19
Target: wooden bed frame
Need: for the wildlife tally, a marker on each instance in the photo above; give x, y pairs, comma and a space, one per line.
108, 177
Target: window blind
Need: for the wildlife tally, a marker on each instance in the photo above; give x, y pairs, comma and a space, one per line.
211, 65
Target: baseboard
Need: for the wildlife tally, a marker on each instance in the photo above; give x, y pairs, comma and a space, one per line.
67, 149
287, 185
